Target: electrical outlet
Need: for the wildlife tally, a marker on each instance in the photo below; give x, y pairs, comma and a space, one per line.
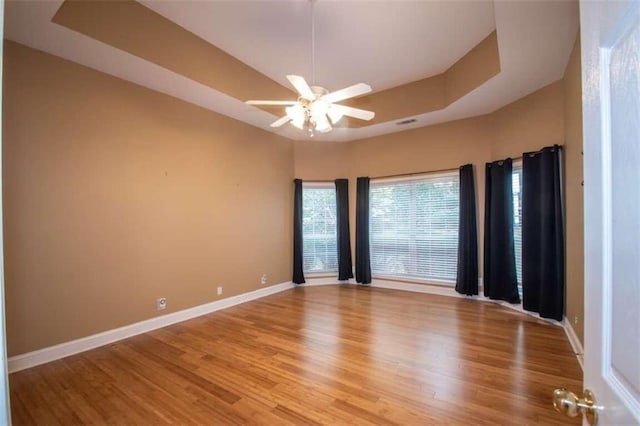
219, 290
263, 280
161, 303
575, 319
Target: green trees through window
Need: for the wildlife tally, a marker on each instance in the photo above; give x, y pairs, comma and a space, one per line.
414, 227
319, 232
516, 184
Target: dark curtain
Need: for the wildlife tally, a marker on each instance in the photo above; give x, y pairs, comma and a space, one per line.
467, 276
363, 260
344, 244
500, 281
298, 274
543, 233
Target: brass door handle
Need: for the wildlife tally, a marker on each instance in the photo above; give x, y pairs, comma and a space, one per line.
568, 403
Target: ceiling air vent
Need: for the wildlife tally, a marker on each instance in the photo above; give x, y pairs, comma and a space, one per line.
403, 122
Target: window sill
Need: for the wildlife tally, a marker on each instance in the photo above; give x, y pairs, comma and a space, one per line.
321, 275
396, 278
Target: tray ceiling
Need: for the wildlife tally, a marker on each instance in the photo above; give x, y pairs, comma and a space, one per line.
184, 48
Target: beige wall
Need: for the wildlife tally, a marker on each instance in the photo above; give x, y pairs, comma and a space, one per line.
321, 160
551, 115
574, 196
530, 123
115, 195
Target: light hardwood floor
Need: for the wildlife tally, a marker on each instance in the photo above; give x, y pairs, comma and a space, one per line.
316, 355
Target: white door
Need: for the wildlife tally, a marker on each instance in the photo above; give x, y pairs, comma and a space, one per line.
610, 32
5, 417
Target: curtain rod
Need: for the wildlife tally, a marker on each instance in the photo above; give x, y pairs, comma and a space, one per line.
317, 181
416, 173
530, 152
431, 171
537, 152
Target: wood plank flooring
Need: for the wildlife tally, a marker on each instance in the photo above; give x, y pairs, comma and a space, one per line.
316, 355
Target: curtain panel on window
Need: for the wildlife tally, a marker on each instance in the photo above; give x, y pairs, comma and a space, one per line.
345, 268
467, 271
500, 281
363, 258
298, 274
543, 233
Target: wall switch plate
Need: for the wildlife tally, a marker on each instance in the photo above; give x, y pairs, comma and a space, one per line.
219, 290
263, 280
161, 303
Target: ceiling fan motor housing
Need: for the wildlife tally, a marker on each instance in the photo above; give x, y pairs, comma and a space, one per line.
319, 91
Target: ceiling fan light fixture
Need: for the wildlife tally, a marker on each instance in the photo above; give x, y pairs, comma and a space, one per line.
334, 115
298, 123
319, 109
318, 116
322, 124
296, 113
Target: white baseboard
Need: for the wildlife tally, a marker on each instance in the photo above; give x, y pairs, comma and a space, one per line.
519, 308
52, 353
441, 290
576, 345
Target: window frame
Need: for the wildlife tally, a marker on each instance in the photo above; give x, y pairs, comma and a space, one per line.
319, 185
454, 173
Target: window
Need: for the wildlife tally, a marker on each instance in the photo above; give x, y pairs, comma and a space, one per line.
319, 232
414, 227
516, 184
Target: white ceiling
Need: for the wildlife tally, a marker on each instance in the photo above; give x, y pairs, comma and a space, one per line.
382, 43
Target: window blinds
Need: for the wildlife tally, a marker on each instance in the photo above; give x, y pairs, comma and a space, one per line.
516, 184
414, 226
319, 232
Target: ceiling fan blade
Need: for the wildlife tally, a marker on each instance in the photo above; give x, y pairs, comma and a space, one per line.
301, 86
284, 103
279, 122
362, 114
347, 92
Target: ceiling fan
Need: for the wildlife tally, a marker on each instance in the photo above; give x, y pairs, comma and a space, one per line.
316, 107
